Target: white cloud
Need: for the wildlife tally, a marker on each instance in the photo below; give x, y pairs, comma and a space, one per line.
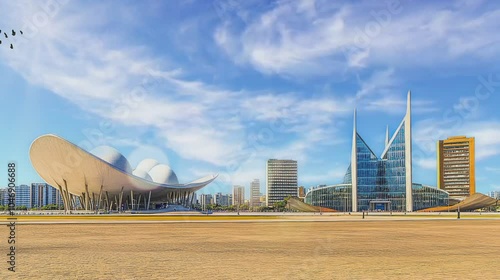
486, 134
318, 38
334, 176
378, 81
127, 84
495, 169
426, 163
272, 43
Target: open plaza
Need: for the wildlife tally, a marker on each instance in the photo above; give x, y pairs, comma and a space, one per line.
250, 245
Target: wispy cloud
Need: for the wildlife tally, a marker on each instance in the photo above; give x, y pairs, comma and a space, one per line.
486, 133
321, 38
334, 176
492, 169
131, 86
426, 163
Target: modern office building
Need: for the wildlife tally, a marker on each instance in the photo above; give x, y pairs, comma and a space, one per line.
255, 193
35, 196
23, 196
238, 195
383, 183
222, 199
205, 199
43, 194
104, 179
494, 194
281, 180
3, 196
456, 166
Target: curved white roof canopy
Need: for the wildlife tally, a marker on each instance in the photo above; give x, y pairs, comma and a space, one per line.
61, 163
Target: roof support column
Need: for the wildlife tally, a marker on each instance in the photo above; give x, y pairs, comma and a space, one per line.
68, 199
84, 201
108, 203
81, 198
192, 198
93, 202
132, 199
100, 199
149, 200
120, 201
138, 204
88, 197
63, 198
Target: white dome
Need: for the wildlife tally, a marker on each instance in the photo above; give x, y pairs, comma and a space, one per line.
162, 174
142, 174
113, 157
147, 164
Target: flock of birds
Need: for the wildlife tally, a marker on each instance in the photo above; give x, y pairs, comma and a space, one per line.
7, 36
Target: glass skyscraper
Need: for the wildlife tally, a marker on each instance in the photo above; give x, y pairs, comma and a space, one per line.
380, 183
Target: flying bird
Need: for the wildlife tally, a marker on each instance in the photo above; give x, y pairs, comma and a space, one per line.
7, 36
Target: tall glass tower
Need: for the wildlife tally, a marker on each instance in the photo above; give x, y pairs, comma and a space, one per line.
385, 182
382, 183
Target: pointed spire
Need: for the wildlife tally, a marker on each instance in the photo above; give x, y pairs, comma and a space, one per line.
354, 120
354, 134
408, 103
387, 136
354, 167
354, 131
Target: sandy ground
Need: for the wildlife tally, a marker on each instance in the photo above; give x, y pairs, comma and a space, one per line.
363, 249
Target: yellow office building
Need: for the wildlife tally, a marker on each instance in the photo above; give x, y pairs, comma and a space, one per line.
456, 166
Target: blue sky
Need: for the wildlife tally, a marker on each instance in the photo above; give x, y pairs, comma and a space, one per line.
221, 86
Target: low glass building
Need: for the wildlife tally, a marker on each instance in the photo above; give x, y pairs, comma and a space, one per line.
339, 197
380, 183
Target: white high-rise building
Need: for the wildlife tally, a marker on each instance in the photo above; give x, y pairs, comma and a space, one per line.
238, 195
205, 199
494, 194
255, 193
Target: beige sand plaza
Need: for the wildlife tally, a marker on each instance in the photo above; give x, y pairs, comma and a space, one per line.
339, 248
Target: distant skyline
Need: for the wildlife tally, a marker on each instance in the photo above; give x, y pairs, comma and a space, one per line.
222, 86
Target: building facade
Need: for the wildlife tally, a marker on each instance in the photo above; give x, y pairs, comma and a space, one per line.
281, 180
205, 199
3, 196
222, 199
238, 195
302, 192
262, 200
255, 193
456, 166
494, 194
105, 180
35, 196
383, 183
23, 196
43, 194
